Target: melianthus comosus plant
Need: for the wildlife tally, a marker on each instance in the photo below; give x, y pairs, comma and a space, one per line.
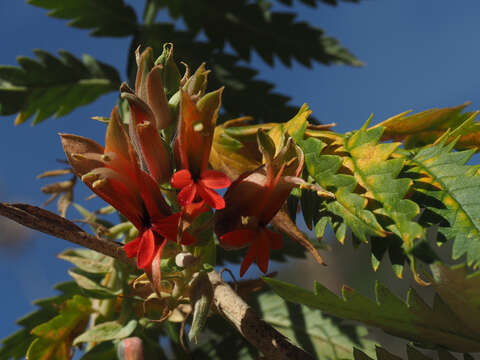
163, 162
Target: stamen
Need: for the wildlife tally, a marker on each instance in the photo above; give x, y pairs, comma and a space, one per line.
78, 157
99, 183
198, 127
88, 177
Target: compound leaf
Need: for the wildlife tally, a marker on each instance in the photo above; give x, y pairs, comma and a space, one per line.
53, 86
441, 325
104, 17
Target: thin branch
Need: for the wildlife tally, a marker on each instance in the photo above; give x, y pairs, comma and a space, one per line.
52, 224
257, 332
229, 304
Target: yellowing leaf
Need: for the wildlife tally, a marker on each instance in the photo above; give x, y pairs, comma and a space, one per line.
427, 126
295, 127
54, 336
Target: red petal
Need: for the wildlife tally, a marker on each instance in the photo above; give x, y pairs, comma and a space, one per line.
131, 248
146, 251
194, 209
249, 257
275, 239
238, 238
113, 190
211, 197
156, 205
263, 252
188, 239
215, 179
167, 227
181, 179
187, 194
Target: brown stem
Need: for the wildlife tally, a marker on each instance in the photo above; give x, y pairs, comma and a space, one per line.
52, 224
257, 332
228, 303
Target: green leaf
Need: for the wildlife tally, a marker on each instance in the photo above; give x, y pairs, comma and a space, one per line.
102, 351
105, 17
377, 173
249, 26
450, 190
438, 325
106, 331
322, 336
349, 206
53, 337
412, 354
51, 86
91, 287
15, 346
245, 93
88, 260
460, 291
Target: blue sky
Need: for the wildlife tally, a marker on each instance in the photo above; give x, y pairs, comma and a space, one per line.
418, 55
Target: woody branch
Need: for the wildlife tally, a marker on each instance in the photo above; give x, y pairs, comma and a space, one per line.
227, 302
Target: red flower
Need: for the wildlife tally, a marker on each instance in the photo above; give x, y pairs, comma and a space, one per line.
194, 142
114, 174
203, 187
252, 202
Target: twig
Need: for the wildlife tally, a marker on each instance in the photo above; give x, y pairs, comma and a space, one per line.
52, 224
229, 304
257, 332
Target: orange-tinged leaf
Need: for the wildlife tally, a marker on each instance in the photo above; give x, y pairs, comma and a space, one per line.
295, 127
54, 336
427, 126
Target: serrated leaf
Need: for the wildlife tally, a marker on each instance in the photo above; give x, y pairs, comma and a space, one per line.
106, 331
348, 205
377, 173
412, 354
249, 26
320, 335
442, 176
426, 127
53, 337
247, 95
105, 18
53, 86
295, 127
415, 320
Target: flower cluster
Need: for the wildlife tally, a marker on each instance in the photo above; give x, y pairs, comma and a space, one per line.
161, 146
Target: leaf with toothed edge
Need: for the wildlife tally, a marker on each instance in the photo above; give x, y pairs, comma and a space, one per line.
442, 325
105, 17
53, 86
